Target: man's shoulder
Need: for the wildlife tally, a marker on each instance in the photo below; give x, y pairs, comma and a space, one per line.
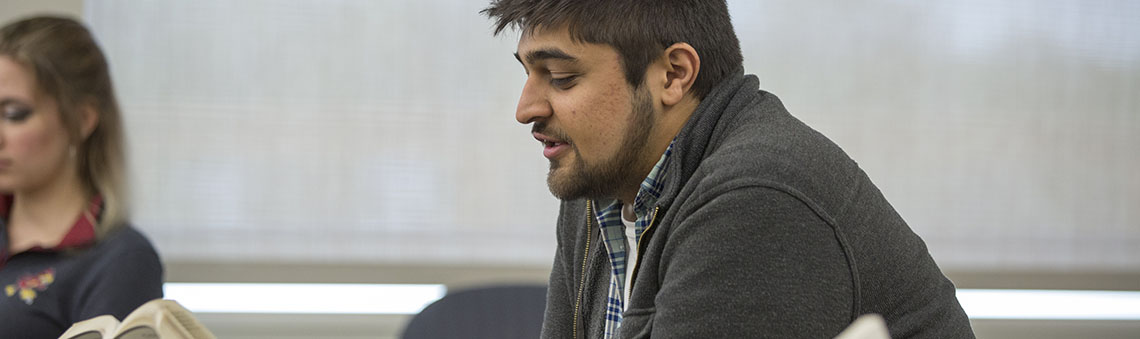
762, 144
772, 145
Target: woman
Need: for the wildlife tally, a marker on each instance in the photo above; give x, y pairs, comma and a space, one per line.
67, 253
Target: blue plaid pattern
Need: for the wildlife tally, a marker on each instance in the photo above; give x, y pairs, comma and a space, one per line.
613, 236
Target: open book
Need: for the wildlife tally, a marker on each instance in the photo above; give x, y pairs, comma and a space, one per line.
156, 319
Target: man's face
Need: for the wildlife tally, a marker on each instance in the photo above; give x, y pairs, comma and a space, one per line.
593, 126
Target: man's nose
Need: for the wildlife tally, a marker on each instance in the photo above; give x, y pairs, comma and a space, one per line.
533, 104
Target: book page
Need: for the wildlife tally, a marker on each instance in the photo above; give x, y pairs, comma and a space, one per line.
164, 319
93, 328
141, 332
867, 326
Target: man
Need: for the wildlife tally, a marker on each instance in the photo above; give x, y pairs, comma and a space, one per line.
693, 204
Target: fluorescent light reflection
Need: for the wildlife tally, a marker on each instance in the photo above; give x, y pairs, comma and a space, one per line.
1050, 304
411, 299
303, 298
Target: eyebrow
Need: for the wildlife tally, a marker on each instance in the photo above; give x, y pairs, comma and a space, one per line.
10, 100
546, 54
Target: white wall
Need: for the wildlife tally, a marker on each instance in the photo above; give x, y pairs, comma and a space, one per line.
381, 131
14, 9
365, 131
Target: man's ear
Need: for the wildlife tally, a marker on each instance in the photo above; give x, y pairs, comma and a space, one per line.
681, 67
88, 120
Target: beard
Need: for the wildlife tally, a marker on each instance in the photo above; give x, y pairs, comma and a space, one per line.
604, 178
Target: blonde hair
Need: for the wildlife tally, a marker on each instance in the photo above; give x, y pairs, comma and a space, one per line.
69, 67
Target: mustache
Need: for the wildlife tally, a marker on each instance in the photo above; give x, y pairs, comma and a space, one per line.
541, 127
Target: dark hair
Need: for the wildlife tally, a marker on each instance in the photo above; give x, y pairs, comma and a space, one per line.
639, 30
69, 67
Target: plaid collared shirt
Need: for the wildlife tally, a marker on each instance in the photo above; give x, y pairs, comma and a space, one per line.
613, 236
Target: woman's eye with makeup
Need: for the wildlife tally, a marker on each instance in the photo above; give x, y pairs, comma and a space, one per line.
16, 113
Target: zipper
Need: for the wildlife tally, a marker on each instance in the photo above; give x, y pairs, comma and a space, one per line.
641, 250
585, 257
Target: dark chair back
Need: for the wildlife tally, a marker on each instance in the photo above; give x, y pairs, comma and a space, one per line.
495, 312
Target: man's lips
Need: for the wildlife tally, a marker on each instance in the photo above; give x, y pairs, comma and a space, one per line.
552, 146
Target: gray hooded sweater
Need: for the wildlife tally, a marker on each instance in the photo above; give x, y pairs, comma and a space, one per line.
764, 229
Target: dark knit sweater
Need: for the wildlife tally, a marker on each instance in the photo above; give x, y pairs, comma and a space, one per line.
765, 229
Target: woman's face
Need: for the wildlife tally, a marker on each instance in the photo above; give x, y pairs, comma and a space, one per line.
34, 145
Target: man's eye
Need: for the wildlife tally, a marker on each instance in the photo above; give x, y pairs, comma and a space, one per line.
563, 82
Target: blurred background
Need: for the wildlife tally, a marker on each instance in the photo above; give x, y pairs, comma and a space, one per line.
358, 141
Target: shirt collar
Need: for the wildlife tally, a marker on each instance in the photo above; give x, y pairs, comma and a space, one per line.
651, 187
81, 234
